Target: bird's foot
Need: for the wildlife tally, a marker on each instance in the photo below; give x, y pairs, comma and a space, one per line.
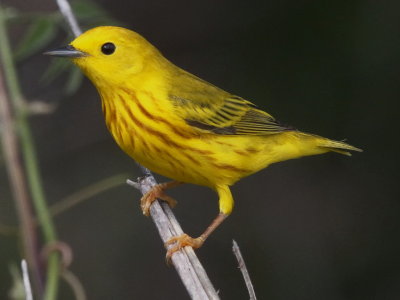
157, 192
182, 241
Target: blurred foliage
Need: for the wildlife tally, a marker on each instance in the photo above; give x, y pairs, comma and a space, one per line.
17, 290
91, 14
43, 28
40, 33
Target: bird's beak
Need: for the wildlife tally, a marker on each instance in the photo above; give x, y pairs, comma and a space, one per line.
67, 51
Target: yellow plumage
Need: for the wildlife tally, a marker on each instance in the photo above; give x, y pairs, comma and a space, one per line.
180, 126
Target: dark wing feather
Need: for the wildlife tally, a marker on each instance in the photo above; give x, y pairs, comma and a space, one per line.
208, 108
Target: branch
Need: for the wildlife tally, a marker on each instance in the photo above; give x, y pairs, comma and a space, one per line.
243, 269
69, 16
186, 263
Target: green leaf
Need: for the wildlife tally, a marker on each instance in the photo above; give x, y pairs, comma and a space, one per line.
74, 81
38, 36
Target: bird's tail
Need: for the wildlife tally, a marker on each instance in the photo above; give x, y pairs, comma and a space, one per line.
295, 144
336, 146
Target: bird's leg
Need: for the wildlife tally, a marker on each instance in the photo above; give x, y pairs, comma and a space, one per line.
157, 192
185, 240
225, 205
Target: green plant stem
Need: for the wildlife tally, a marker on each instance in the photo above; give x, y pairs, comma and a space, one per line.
30, 160
19, 188
87, 192
15, 171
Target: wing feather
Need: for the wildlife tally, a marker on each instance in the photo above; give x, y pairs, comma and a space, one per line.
208, 108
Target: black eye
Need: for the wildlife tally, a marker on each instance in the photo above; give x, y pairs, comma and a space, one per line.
108, 48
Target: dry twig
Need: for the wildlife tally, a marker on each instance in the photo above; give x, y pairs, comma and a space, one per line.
186, 263
69, 16
243, 269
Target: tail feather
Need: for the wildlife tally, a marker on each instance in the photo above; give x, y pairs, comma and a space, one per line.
339, 147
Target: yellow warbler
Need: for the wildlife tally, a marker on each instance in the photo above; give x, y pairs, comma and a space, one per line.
179, 125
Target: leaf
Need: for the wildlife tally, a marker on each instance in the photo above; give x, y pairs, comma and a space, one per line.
74, 81
17, 290
87, 10
41, 31
92, 14
55, 69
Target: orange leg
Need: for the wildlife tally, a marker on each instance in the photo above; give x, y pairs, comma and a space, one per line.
225, 208
158, 192
185, 240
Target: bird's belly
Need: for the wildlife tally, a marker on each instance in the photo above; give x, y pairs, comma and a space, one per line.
185, 164
207, 161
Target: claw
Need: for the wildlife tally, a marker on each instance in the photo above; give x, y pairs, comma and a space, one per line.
181, 242
156, 192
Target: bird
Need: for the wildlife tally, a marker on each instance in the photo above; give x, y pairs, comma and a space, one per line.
181, 126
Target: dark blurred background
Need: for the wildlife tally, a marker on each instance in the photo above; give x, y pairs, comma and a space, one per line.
324, 227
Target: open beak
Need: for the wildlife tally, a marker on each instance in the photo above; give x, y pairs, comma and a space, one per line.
67, 51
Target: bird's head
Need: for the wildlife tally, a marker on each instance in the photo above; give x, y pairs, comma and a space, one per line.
109, 54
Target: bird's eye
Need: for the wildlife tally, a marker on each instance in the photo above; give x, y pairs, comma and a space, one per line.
108, 48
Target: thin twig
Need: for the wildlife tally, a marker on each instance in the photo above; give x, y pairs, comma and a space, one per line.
75, 284
243, 269
186, 263
25, 278
66, 11
86, 193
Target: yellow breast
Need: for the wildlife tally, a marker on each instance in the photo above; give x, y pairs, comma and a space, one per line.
145, 127
150, 134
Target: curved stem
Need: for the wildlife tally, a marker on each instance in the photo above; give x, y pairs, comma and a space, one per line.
13, 163
30, 159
